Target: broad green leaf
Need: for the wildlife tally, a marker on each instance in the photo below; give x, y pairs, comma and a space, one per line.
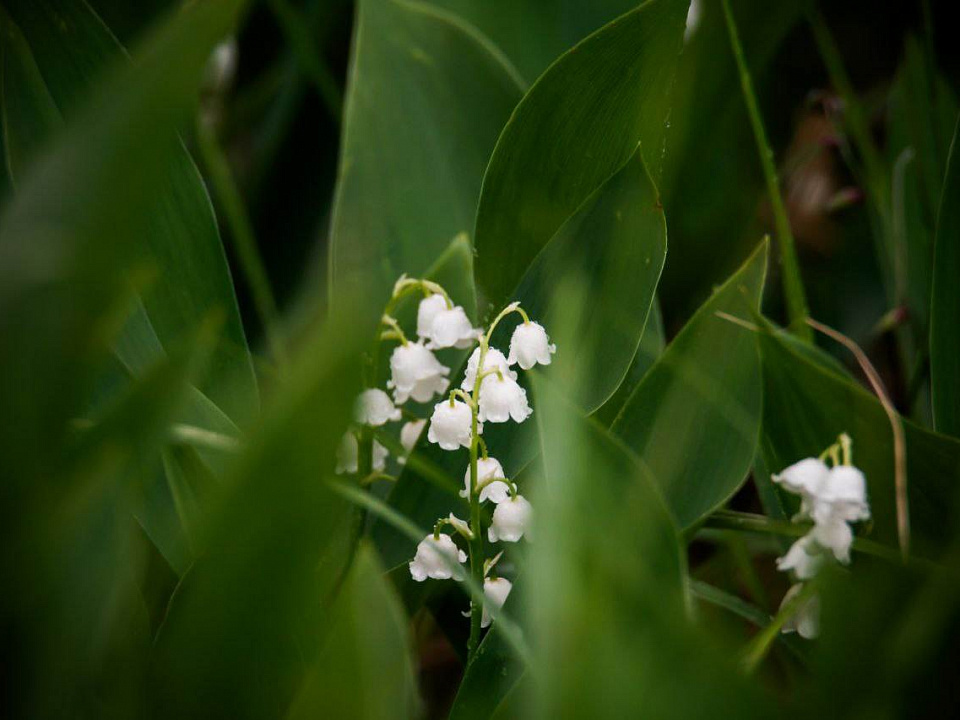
945, 304
806, 406
427, 98
30, 115
577, 125
606, 588
190, 278
247, 620
533, 33
694, 419
366, 670
614, 246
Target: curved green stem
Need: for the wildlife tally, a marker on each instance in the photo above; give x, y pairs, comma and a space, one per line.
792, 282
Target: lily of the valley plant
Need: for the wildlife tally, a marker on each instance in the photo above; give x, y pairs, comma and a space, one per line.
488, 393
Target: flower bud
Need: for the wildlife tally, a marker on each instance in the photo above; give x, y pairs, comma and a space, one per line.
375, 408
803, 557
495, 592
806, 620
444, 327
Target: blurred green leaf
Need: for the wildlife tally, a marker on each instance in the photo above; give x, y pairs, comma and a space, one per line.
945, 303
606, 588
247, 620
533, 33
29, 116
578, 123
694, 419
807, 405
366, 668
74, 50
427, 98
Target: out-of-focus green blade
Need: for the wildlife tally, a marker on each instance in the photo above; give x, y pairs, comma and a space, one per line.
694, 419
247, 620
366, 669
806, 406
606, 588
74, 51
28, 114
578, 123
945, 304
427, 98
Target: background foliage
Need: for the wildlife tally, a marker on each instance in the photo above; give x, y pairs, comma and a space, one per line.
194, 255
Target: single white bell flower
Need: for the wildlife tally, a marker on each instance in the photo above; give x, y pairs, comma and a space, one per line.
348, 455
835, 535
444, 327
416, 373
410, 433
843, 495
529, 345
502, 399
806, 620
803, 557
511, 520
450, 425
493, 360
487, 468
436, 558
374, 407
804, 478
495, 592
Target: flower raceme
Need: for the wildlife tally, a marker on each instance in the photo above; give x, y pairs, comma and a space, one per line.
832, 497
488, 392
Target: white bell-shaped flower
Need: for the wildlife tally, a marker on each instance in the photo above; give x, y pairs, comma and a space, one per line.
450, 425
444, 327
493, 360
835, 535
495, 592
502, 399
806, 620
843, 495
804, 478
487, 468
511, 520
438, 558
348, 455
374, 407
410, 433
529, 346
416, 373
803, 557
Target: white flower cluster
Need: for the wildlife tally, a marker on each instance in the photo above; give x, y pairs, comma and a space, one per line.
833, 498
488, 393
415, 372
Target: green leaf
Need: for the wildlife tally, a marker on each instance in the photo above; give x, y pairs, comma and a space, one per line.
248, 619
579, 122
31, 115
533, 33
606, 587
806, 406
367, 669
74, 51
427, 98
614, 247
694, 419
945, 303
